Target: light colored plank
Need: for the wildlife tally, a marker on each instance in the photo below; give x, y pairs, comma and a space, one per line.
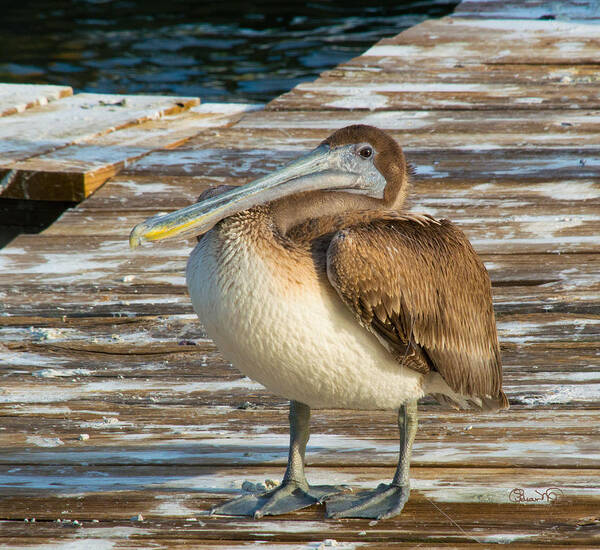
16, 98
194, 488
565, 10
72, 362
493, 41
441, 187
273, 138
399, 96
77, 119
100, 260
386, 70
539, 231
446, 526
194, 445
268, 415
540, 349
553, 176
192, 420
458, 130
567, 290
447, 88
73, 173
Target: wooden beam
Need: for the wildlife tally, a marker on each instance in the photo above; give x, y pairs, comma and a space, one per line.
16, 98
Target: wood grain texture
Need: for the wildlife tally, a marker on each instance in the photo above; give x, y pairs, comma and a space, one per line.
16, 98
47, 129
73, 173
494, 41
77, 119
97, 340
458, 86
566, 10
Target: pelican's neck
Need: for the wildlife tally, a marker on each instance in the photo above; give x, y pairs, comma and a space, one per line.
255, 230
300, 223
297, 210
255, 224
250, 241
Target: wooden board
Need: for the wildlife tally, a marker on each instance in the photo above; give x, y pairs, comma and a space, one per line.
74, 120
439, 129
448, 525
503, 64
16, 98
73, 173
77, 119
443, 71
397, 91
494, 41
566, 10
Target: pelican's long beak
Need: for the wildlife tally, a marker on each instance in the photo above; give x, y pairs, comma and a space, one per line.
318, 169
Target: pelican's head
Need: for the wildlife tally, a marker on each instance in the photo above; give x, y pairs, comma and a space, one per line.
361, 164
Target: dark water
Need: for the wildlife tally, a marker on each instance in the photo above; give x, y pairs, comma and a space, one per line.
220, 51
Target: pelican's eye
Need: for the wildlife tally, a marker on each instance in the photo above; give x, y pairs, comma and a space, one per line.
366, 152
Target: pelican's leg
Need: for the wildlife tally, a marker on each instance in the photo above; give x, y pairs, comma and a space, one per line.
387, 500
294, 492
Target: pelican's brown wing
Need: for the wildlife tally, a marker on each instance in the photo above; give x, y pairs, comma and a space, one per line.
419, 286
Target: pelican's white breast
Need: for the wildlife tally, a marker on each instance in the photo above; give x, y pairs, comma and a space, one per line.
285, 327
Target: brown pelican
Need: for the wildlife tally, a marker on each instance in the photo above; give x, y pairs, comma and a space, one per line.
312, 282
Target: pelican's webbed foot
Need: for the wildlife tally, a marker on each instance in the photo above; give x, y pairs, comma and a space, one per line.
294, 493
387, 500
288, 497
384, 502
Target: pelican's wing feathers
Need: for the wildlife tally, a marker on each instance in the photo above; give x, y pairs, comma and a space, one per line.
419, 286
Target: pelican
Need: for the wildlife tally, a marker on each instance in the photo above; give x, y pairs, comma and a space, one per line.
315, 283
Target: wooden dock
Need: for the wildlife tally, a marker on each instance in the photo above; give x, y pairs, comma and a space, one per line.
120, 423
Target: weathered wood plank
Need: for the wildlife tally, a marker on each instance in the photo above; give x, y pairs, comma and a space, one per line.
81, 345
518, 165
266, 414
544, 203
494, 41
546, 390
549, 232
569, 290
400, 95
454, 70
568, 178
565, 10
460, 130
277, 137
385, 70
578, 270
416, 89
440, 184
250, 438
446, 525
16, 98
98, 265
544, 348
53, 364
195, 487
52, 378
125, 541
216, 383
73, 173
574, 294
76, 119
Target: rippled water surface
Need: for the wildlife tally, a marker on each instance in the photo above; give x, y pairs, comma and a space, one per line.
220, 51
